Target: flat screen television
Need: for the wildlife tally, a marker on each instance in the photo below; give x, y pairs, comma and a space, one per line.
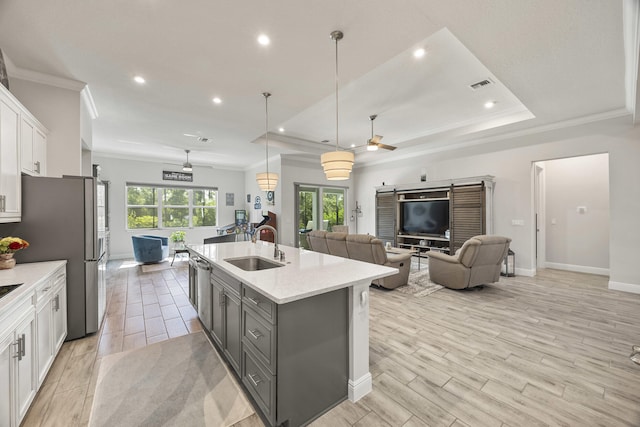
425, 217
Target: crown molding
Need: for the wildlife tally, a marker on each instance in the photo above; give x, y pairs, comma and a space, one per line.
37, 77
594, 118
88, 102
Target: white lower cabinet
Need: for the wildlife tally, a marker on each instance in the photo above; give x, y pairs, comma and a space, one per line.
6, 383
18, 384
59, 310
32, 330
26, 383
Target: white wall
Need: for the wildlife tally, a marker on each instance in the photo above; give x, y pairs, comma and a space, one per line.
251, 188
511, 164
118, 172
576, 240
59, 110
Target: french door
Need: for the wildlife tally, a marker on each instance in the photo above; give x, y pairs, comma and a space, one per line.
318, 208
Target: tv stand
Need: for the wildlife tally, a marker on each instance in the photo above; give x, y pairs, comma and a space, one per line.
470, 212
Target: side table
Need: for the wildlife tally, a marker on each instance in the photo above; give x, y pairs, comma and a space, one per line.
179, 250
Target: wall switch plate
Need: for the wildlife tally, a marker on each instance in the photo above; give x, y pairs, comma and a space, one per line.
519, 222
581, 209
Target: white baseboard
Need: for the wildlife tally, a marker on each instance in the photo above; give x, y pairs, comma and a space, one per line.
121, 256
360, 387
578, 268
526, 272
624, 287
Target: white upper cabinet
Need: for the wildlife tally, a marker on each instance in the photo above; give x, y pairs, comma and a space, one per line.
23, 149
33, 146
9, 158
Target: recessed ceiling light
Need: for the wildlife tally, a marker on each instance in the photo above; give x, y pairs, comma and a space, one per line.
217, 100
489, 104
280, 129
139, 79
419, 53
353, 145
264, 40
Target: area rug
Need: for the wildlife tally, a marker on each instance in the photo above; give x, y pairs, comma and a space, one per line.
419, 284
178, 382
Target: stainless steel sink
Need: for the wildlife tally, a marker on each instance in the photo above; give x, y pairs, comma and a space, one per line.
253, 263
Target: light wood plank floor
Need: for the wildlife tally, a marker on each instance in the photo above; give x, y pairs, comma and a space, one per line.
550, 350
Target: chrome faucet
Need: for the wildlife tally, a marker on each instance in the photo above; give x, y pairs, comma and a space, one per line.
256, 232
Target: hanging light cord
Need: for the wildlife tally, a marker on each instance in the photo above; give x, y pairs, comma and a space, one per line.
337, 141
266, 131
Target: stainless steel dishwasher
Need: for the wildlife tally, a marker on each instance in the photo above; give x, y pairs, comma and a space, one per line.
193, 280
204, 293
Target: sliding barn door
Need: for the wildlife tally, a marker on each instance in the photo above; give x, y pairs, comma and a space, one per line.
467, 214
386, 217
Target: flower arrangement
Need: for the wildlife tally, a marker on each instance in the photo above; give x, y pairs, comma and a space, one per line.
9, 245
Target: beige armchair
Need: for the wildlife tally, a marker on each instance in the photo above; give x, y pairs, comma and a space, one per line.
363, 247
477, 262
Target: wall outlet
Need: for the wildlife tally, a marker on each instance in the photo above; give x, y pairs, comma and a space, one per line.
581, 209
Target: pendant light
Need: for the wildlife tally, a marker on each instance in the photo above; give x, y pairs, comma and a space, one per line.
337, 164
186, 166
267, 181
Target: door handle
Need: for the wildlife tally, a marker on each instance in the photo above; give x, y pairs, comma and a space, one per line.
253, 379
256, 334
223, 298
57, 301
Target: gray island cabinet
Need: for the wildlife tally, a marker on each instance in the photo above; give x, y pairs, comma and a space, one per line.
296, 335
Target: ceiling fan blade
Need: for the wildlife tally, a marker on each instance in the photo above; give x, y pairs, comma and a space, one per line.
387, 147
376, 139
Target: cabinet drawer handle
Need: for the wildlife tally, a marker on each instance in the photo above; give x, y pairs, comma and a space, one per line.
223, 298
256, 334
46, 289
18, 344
21, 347
253, 379
253, 300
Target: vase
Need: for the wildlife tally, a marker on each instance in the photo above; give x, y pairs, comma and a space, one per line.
7, 261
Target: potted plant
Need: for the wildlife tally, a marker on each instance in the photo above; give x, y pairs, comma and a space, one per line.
177, 237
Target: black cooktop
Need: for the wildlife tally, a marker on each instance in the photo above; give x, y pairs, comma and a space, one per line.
4, 290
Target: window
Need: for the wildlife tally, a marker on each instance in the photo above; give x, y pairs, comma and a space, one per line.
142, 207
204, 208
171, 207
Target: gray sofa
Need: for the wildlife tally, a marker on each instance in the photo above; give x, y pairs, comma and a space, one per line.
362, 247
477, 262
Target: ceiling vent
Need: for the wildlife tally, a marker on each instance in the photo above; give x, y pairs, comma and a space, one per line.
480, 84
204, 139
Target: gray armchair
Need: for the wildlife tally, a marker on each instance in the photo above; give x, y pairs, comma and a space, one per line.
477, 262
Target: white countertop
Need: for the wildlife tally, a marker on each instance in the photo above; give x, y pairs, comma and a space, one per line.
304, 274
29, 274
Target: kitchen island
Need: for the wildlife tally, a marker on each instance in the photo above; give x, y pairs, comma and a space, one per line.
296, 332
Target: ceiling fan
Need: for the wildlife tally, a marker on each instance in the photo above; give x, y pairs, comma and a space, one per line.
374, 143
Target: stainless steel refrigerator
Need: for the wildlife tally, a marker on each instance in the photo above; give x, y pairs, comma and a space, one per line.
59, 220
